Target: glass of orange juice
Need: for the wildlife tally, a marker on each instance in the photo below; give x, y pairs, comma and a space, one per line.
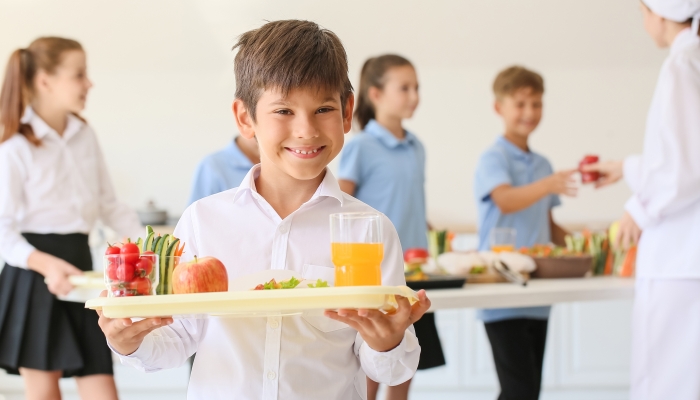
357, 249
502, 239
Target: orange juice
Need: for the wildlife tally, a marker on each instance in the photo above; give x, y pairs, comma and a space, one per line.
499, 248
357, 264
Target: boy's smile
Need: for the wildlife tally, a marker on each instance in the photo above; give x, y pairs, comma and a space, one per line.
305, 152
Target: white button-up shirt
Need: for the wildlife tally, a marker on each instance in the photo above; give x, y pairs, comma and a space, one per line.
61, 186
291, 357
665, 178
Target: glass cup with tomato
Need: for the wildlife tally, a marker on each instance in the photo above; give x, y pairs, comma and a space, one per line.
129, 272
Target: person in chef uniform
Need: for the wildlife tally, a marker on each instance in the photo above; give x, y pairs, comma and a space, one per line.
663, 214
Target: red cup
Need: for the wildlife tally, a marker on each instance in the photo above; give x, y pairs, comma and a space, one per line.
588, 177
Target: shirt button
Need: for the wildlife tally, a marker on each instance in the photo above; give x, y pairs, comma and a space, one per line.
271, 375
283, 228
274, 324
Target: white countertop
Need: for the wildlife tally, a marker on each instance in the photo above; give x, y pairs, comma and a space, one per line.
538, 292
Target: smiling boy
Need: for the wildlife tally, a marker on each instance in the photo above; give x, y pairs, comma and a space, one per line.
293, 95
517, 188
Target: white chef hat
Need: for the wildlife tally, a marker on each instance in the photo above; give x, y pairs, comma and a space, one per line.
677, 10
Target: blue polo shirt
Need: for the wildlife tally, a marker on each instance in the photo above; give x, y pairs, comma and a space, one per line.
505, 163
220, 171
389, 175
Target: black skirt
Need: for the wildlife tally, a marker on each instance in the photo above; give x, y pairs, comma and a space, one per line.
431, 354
37, 330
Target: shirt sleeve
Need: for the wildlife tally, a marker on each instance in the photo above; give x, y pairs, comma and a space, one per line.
170, 346
631, 171
399, 364
115, 214
205, 181
14, 249
665, 188
491, 172
351, 162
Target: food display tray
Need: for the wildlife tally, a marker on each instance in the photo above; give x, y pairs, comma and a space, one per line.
253, 303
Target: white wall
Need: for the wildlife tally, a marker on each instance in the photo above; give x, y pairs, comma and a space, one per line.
164, 82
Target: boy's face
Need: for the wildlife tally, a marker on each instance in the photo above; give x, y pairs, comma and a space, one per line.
521, 111
298, 135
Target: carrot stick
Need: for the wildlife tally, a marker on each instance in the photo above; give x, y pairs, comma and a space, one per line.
628, 264
609, 262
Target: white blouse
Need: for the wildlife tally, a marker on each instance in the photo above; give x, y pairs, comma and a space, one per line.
665, 178
61, 186
275, 358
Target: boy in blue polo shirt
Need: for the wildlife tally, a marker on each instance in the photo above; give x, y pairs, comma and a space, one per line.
224, 169
517, 188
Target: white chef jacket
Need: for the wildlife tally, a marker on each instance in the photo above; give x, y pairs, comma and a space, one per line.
61, 186
286, 358
665, 178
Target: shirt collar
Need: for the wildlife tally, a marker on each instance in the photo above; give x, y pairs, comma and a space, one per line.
41, 128
375, 129
514, 150
329, 187
684, 38
236, 157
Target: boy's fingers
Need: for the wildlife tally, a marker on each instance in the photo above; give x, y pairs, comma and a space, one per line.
334, 316
141, 328
404, 306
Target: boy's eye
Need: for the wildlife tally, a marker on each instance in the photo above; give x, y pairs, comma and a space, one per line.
324, 110
283, 112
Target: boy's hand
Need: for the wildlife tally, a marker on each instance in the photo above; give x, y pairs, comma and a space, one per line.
383, 332
562, 182
629, 232
126, 336
610, 172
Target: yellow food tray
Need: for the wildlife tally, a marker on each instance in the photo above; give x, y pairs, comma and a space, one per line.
253, 303
88, 280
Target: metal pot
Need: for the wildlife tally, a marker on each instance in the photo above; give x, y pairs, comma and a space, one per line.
151, 215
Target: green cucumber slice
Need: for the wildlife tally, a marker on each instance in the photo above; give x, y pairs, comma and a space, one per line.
169, 260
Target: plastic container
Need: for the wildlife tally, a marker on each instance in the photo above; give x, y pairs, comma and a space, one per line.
562, 267
134, 274
254, 303
589, 177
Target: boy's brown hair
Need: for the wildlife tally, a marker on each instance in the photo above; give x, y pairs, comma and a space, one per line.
511, 79
289, 54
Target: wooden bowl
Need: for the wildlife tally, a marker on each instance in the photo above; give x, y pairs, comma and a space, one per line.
562, 267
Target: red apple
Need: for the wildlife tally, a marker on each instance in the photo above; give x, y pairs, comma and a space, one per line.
200, 275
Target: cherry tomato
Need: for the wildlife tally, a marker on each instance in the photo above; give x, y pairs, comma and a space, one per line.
126, 272
123, 292
112, 270
111, 249
145, 264
142, 286
130, 252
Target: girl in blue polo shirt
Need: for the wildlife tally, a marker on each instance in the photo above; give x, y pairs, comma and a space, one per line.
385, 168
